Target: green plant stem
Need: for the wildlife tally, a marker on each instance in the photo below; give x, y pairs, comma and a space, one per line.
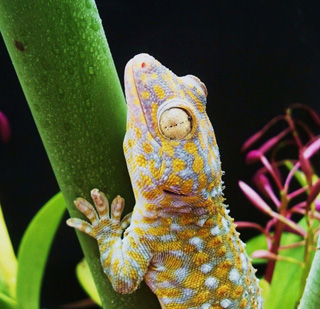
307, 259
61, 56
311, 295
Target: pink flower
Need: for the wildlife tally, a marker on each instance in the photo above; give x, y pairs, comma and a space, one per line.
5, 131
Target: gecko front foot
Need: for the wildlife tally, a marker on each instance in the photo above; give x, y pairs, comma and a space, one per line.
102, 223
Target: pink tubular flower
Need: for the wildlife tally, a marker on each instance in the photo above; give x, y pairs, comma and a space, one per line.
263, 184
285, 159
311, 149
255, 198
254, 138
5, 131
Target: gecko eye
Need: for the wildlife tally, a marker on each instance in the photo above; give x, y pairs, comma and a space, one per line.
175, 123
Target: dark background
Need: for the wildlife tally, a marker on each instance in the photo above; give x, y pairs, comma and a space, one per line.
255, 57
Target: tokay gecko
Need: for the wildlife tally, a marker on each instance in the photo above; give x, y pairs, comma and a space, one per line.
179, 237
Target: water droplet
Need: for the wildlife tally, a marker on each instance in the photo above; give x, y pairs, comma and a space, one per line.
55, 50
83, 22
95, 24
88, 4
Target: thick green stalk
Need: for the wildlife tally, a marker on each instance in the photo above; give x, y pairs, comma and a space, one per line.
61, 56
311, 295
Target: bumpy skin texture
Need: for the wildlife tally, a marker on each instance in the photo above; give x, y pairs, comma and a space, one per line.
180, 240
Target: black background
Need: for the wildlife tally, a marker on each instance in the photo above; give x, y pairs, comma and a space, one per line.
255, 57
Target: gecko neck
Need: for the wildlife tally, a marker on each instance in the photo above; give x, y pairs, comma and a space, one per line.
197, 210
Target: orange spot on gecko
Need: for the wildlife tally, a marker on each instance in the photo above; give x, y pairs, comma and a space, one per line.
185, 234
222, 251
190, 147
186, 186
200, 258
243, 303
159, 91
222, 268
168, 292
138, 133
197, 165
158, 231
173, 262
173, 180
201, 297
147, 147
178, 165
223, 291
237, 292
141, 160
145, 95
156, 172
194, 280
202, 181
215, 241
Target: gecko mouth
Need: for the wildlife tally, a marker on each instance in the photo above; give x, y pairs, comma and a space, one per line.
173, 193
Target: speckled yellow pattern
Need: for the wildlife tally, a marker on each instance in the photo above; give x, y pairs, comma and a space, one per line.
180, 238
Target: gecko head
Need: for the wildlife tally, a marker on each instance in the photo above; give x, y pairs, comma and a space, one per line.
170, 144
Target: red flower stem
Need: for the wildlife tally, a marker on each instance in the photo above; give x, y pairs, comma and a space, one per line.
293, 128
276, 240
297, 192
294, 245
270, 169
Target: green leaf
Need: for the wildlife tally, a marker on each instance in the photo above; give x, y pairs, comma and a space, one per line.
287, 276
85, 278
34, 250
265, 287
285, 285
7, 302
311, 294
8, 261
257, 243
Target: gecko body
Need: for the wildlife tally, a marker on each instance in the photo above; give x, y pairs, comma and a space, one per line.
179, 238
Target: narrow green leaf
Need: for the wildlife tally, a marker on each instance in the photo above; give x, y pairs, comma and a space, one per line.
7, 302
34, 250
85, 278
8, 261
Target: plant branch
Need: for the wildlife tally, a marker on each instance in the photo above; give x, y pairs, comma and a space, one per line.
61, 56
